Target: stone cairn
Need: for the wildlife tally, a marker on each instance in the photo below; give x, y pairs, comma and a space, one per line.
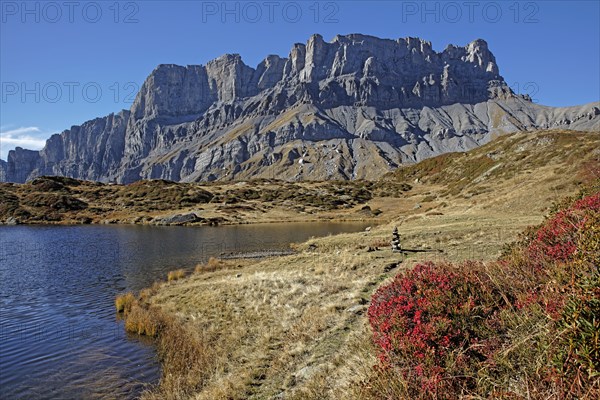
396, 240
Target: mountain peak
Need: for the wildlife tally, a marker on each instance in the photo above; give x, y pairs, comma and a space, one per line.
227, 58
353, 107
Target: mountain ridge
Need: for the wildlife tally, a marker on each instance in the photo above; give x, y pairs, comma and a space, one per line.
355, 107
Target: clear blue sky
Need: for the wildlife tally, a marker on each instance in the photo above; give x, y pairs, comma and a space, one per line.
54, 57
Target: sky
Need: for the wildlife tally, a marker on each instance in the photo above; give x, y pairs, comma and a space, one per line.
65, 62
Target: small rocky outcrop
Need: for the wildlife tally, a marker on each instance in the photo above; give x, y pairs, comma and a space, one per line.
178, 219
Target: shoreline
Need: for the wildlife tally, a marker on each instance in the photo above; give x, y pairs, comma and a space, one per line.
256, 254
63, 201
159, 321
375, 221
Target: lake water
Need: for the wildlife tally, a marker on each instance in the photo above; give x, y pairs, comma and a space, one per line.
59, 335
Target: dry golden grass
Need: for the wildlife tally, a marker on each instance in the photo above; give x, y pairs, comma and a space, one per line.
383, 243
187, 362
211, 265
296, 324
175, 275
147, 293
124, 302
142, 321
187, 358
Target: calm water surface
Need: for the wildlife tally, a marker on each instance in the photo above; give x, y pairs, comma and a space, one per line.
59, 336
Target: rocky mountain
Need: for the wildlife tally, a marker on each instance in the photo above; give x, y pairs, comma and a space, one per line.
355, 107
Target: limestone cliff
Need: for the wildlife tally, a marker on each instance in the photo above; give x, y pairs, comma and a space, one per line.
355, 107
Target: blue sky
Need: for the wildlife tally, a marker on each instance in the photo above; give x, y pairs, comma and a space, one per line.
64, 63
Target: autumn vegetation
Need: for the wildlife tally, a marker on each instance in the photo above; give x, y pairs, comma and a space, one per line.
527, 325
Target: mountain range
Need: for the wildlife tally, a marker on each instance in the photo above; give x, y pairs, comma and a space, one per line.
352, 108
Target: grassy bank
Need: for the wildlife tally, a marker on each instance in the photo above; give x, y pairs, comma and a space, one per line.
296, 326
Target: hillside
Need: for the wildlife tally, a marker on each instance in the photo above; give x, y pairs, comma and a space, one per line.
58, 200
295, 327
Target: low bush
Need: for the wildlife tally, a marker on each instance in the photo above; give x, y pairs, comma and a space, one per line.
436, 322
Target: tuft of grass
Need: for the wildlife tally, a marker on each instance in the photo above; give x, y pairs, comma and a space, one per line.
211, 265
188, 360
147, 293
176, 275
143, 321
124, 302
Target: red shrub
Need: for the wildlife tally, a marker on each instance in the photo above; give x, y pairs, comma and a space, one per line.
556, 240
427, 317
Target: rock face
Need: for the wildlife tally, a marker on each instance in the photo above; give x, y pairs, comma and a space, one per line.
3, 170
354, 107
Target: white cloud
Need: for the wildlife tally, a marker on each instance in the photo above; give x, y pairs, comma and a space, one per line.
32, 138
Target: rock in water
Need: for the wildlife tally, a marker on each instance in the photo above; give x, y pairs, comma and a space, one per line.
355, 107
